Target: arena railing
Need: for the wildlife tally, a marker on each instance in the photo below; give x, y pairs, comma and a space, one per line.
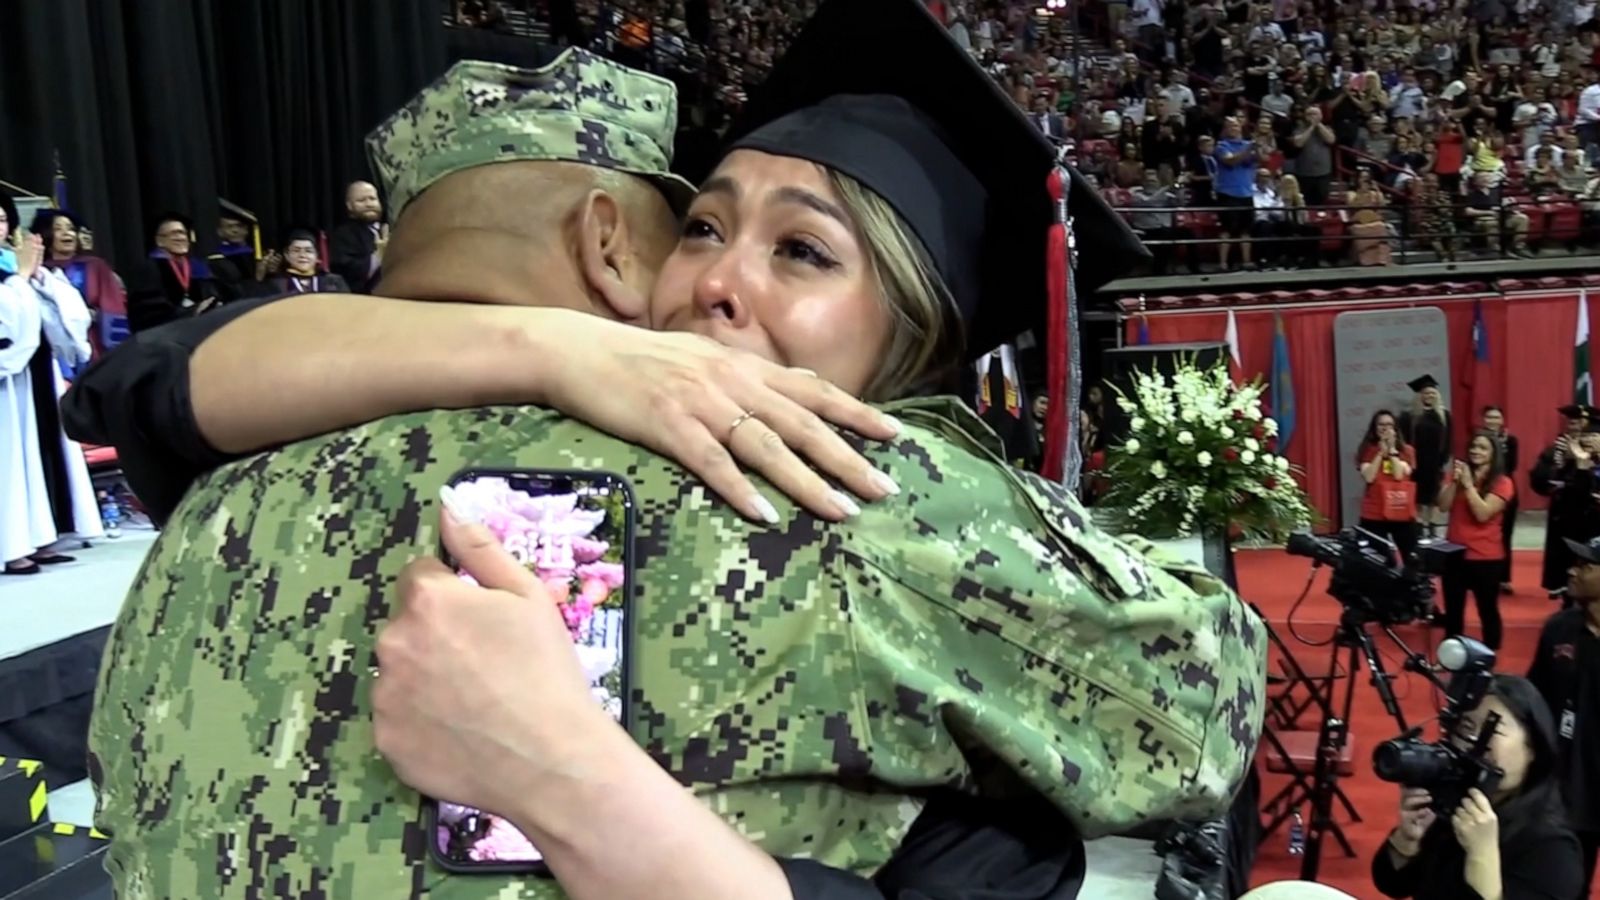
1405, 233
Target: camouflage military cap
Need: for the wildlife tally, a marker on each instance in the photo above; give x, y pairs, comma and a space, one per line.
580, 108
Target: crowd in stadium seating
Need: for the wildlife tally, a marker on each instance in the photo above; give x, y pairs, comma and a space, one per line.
1451, 126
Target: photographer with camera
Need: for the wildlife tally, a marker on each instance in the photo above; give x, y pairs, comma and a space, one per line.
1566, 670
1386, 463
1509, 844
1476, 498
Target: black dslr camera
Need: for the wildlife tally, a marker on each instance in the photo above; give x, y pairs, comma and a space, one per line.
1449, 767
1371, 579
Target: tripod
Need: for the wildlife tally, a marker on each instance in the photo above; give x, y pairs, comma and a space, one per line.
1353, 637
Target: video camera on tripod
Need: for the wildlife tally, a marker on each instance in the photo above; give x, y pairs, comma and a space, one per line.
1370, 579
1448, 767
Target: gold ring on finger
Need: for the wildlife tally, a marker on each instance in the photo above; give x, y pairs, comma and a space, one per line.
744, 417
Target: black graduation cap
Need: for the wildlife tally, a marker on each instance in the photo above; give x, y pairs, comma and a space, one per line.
170, 216
1574, 410
300, 233
1418, 385
878, 90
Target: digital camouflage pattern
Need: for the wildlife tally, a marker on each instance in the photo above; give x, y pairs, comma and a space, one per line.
806, 680
580, 108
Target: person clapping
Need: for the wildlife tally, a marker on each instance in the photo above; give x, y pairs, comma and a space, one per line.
1510, 844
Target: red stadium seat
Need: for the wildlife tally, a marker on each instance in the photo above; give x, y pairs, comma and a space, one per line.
1565, 221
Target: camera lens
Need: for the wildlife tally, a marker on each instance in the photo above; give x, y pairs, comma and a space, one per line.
1411, 762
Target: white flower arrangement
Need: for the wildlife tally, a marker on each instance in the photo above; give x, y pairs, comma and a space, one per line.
1205, 458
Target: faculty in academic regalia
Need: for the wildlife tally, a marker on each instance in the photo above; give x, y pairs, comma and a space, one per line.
1427, 429
48, 497
92, 276
1565, 475
298, 270
233, 265
173, 283
356, 246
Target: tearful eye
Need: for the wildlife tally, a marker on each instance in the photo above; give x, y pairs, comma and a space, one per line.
804, 252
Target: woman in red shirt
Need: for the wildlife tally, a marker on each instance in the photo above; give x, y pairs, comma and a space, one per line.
1386, 461
1476, 497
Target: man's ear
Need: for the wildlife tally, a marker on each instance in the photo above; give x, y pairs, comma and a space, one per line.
607, 256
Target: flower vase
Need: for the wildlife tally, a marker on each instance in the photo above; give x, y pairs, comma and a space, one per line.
1210, 548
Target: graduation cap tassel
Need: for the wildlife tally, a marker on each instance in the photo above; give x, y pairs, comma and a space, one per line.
1061, 461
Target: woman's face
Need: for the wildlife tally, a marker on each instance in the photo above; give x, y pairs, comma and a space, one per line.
301, 255
5, 226
1429, 397
63, 237
1509, 748
769, 262
1479, 452
1384, 427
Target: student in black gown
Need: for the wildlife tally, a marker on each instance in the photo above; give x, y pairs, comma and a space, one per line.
1559, 476
173, 283
1427, 429
1513, 844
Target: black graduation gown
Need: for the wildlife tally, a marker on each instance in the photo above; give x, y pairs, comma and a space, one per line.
233, 267
1541, 862
1573, 513
1430, 435
350, 249
156, 296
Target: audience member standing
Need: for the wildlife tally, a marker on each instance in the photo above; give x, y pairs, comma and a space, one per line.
1494, 424
174, 282
1476, 497
1386, 462
358, 243
1313, 164
1235, 189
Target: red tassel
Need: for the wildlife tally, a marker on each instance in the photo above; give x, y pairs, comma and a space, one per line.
1056, 387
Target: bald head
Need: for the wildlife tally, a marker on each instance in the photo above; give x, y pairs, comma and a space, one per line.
533, 233
362, 203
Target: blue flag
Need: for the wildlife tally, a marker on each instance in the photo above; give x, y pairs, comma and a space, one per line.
1143, 337
59, 185
1480, 334
1282, 385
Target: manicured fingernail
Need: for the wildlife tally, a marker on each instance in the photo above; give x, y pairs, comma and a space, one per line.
885, 483
765, 509
845, 505
893, 424
454, 507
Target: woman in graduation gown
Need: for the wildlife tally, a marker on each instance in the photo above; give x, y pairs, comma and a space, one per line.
971, 851
1427, 429
90, 275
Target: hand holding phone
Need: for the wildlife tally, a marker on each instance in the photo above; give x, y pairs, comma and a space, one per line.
567, 550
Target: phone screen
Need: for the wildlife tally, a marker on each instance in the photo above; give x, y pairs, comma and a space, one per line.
574, 531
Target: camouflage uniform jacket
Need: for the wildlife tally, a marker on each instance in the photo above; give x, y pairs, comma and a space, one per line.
807, 680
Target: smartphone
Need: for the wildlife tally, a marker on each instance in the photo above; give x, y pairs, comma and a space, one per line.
574, 530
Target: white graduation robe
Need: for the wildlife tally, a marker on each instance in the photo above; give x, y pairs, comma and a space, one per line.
48, 308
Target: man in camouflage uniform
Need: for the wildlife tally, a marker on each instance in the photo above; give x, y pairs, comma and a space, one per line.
780, 669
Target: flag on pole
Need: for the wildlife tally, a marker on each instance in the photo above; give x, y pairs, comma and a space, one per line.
1235, 367
1282, 385
58, 186
1582, 383
1143, 335
1469, 377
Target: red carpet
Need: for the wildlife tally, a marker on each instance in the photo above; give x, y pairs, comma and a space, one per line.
1273, 580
